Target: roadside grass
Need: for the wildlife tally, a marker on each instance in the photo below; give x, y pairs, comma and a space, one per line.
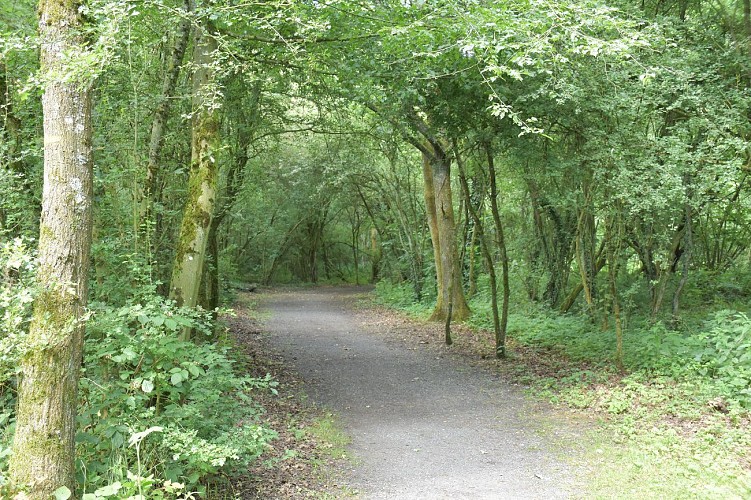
327, 431
659, 439
674, 425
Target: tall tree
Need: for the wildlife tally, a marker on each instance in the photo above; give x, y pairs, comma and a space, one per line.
192, 243
43, 447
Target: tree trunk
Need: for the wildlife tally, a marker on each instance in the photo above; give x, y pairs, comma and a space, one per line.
14, 223
613, 251
43, 456
355, 246
449, 278
157, 125
571, 298
688, 250
472, 278
430, 212
235, 176
375, 255
501, 242
479, 232
190, 254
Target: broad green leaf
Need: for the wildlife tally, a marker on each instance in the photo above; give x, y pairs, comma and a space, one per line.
62, 493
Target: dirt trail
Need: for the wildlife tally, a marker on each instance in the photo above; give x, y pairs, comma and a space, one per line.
423, 424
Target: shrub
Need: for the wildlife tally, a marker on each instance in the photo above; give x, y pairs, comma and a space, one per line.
139, 375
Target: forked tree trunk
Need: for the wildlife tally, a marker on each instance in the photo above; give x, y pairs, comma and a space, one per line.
449, 275
190, 253
43, 447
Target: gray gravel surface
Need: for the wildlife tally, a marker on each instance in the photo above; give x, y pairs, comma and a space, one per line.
423, 423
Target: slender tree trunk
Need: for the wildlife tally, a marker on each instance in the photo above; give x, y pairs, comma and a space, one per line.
11, 160
747, 24
501, 242
430, 212
355, 248
613, 251
43, 456
472, 278
571, 298
665, 273
375, 255
688, 244
199, 210
485, 248
157, 126
235, 176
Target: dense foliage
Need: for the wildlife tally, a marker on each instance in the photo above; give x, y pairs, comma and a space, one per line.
589, 160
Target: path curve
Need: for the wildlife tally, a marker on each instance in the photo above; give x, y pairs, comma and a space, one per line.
423, 424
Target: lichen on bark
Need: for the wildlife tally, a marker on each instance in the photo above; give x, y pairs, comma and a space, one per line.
43, 456
190, 253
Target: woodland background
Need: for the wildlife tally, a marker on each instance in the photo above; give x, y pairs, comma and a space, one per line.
572, 176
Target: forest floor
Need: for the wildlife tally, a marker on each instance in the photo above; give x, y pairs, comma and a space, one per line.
391, 412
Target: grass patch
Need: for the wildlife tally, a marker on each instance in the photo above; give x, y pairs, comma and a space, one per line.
331, 438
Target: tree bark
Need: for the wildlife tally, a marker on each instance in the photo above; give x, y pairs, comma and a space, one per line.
43, 456
613, 251
501, 242
375, 255
688, 250
479, 232
190, 253
449, 279
571, 298
430, 212
160, 118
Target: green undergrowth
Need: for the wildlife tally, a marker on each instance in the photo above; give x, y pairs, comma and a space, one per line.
401, 296
158, 418
674, 424
139, 375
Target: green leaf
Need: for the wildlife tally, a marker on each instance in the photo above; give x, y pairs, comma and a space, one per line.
138, 436
176, 378
170, 323
147, 386
62, 493
109, 490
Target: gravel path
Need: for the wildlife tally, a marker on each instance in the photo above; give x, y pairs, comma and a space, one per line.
424, 424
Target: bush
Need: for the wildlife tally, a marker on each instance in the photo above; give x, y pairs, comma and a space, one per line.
139, 375
725, 354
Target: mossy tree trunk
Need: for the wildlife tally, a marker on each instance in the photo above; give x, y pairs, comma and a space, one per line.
448, 272
43, 447
190, 253
430, 212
